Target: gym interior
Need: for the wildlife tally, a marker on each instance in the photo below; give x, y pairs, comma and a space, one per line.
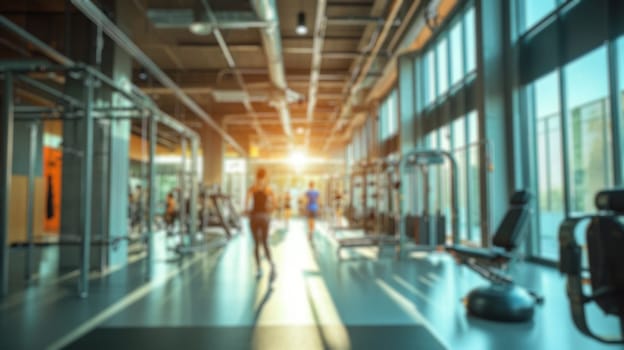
467, 158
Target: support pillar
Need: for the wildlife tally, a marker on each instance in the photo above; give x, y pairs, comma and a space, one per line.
151, 206
6, 166
494, 106
87, 181
193, 187
183, 184
212, 149
32, 162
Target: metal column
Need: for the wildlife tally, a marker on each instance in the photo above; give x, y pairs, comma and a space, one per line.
87, 187
32, 157
183, 172
193, 187
615, 105
6, 169
151, 206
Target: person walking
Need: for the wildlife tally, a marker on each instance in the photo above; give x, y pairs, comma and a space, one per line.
312, 208
261, 200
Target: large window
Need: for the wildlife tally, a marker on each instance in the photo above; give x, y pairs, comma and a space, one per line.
430, 77
473, 178
446, 61
457, 57
589, 129
573, 152
458, 132
534, 10
547, 121
388, 116
470, 40
442, 58
442, 90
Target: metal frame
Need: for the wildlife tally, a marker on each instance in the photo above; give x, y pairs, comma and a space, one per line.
412, 159
92, 79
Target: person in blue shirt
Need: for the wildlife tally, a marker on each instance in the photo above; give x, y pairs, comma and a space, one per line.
312, 208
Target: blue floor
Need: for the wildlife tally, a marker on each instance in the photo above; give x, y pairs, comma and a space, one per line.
314, 300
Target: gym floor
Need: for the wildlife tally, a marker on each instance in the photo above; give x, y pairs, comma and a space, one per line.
313, 300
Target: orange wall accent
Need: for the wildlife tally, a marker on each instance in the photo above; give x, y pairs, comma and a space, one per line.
52, 177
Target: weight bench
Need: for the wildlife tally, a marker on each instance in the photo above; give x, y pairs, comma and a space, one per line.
502, 300
605, 244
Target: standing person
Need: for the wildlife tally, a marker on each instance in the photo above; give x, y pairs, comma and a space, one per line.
171, 210
312, 207
260, 216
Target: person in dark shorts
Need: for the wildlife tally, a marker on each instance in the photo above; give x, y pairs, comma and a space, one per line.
262, 202
287, 208
312, 207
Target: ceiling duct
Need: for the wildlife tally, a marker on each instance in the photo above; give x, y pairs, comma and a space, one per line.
267, 11
92, 12
188, 18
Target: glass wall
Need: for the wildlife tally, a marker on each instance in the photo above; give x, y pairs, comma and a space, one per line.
443, 73
473, 203
534, 10
470, 42
589, 129
388, 124
442, 67
458, 132
572, 128
549, 158
456, 52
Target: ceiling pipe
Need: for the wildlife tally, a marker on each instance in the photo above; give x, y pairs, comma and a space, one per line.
362, 73
317, 48
395, 48
358, 21
65, 61
232, 66
120, 38
271, 41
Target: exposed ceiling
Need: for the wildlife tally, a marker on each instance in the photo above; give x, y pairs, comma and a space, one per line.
270, 88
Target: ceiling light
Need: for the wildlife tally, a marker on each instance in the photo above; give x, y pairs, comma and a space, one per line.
301, 26
143, 74
299, 130
297, 160
200, 28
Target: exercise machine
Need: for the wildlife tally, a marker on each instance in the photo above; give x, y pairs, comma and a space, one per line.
605, 244
377, 221
426, 232
502, 300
